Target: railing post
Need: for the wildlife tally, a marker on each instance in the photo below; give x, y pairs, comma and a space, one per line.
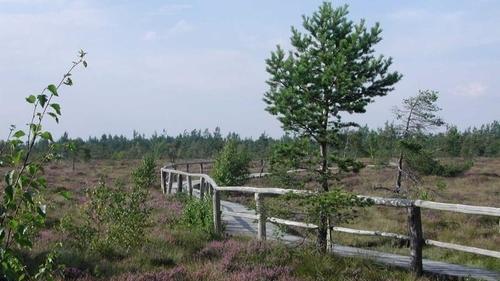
179, 183
201, 168
261, 166
190, 185
210, 189
416, 239
170, 182
261, 214
329, 236
217, 212
202, 187
163, 183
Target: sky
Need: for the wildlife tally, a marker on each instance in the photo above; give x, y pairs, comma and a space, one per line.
183, 65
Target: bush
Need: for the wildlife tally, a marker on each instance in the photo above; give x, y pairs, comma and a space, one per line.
145, 175
231, 165
113, 220
197, 214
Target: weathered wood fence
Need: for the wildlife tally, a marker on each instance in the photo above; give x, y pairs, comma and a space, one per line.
208, 187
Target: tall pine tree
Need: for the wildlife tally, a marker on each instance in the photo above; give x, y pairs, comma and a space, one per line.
331, 70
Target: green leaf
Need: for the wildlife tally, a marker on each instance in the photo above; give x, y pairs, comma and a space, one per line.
68, 81
53, 89
19, 134
54, 116
28, 197
9, 193
66, 194
47, 136
42, 99
31, 99
56, 107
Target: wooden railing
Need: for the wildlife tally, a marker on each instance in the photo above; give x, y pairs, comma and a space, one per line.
207, 186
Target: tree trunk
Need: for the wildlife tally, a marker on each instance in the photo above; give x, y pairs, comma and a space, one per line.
321, 242
400, 173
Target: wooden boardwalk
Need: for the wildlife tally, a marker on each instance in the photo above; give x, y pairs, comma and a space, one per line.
248, 227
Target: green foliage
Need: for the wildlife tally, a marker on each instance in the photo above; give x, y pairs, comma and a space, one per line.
113, 220
22, 212
423, 162
231, 165
291, 155
145, 175
331, 70
338, 205
197, 214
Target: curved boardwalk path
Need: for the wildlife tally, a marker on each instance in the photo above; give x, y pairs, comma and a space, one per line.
248, 227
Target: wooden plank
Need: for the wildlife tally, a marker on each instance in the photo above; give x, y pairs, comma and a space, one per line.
242, 215
459, 208
261, 217
395, 202
462, 248
216, 212
262, 190
292, 223
416, 240
371, 233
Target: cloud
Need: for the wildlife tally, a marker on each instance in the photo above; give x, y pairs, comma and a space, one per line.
472, 89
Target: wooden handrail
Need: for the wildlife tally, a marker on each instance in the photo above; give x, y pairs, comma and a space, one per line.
414, 217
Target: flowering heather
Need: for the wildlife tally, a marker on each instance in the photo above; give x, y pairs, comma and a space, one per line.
235, 256
261, 273
177, 273
174, 211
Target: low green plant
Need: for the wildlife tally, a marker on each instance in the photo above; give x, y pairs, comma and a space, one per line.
231, 165
113, 220
145, 175
198, 214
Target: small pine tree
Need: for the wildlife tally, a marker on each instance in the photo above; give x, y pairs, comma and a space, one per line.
231, 165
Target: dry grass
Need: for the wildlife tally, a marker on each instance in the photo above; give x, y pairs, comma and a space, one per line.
479, 186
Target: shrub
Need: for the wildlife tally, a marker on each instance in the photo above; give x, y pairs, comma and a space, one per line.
113, 220
145, 175
231, 165
197, 214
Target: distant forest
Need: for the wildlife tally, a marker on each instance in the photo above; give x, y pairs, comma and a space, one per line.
380, 144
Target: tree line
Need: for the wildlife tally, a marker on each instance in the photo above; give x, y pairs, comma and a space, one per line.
379, 145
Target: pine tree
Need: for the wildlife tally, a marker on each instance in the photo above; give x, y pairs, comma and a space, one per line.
331, 71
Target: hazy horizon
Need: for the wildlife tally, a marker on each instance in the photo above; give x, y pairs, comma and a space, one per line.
184, 65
